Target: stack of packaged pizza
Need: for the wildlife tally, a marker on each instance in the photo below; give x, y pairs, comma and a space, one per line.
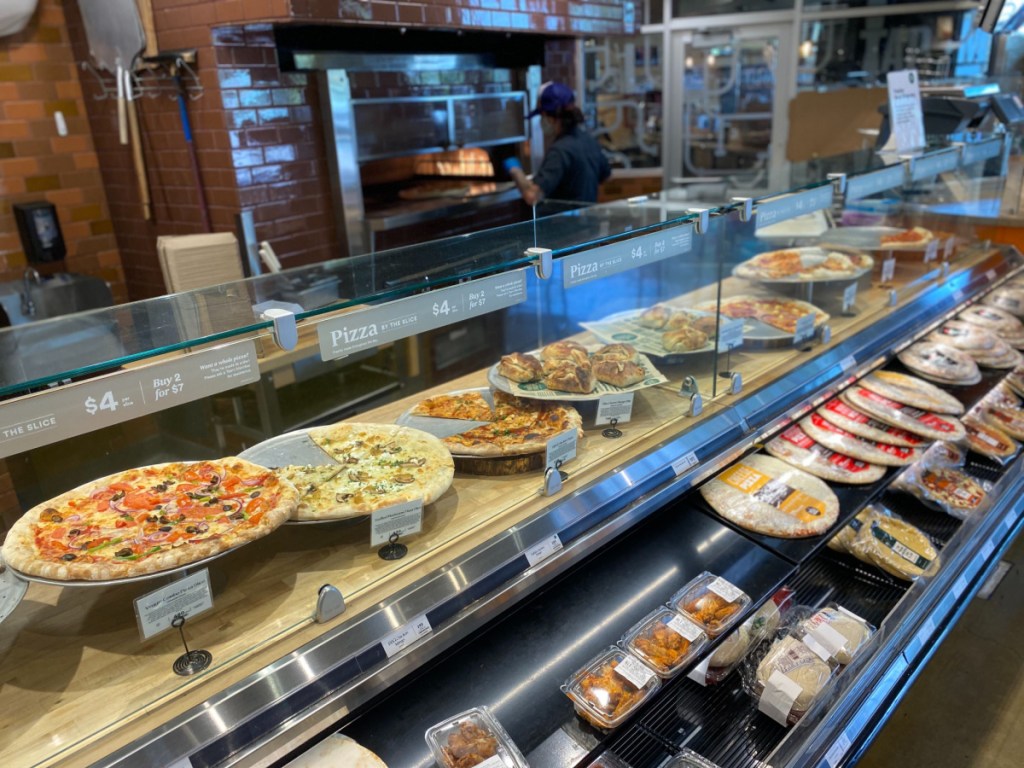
878, 537
940, 482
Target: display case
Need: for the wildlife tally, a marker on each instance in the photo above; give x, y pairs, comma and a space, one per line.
533, 561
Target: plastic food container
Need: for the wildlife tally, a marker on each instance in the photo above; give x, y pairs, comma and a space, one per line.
835, 632
731, 652
610, 686
711, 602
459, 740
789, 679
665, 640
689, 759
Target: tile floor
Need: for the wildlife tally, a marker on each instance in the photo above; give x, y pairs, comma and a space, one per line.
966, 709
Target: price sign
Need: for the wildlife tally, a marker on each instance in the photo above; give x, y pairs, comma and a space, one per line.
406, 635
804, 330
684, 463
787, 207
934, 163
629, 254
991, 275
836, 753
373, 326
888, 269
931, 251
905, 114
987, 549
849, 297
924, 634
77, 409
730, 334
561, 448
848, 363
981, 150
875, 182
618, 406
404, 519
958, 295
947, 248
960, 586
541, 551
186, 597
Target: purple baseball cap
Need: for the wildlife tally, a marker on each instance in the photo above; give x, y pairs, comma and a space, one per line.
553, 98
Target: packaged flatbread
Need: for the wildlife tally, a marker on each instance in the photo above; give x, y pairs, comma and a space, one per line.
788, 679
913, 391
1002, 357
831, 436
989, 440
769, 496
860, 424
947, 489
1001, 416
1015, 380
844, 538
1005, 325
963, 335
928, 424
838, 631
941, 363
897, 547
795, 446
1009, 298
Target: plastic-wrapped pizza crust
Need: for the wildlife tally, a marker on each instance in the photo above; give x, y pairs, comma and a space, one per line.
941, 363
831, 436
766, 495
897, 547
799, 449
934, 426
912, 391
862, 425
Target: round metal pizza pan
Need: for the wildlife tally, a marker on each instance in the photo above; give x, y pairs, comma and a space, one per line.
870, 239
126, 580
339, 521
441, 428
290, 449
12, 590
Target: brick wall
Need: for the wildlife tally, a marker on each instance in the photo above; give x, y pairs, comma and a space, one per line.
37, 78
258, 131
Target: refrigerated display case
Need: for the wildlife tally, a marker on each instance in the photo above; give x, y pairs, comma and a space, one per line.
514, 580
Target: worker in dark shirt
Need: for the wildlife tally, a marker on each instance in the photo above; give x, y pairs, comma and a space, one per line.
574, 165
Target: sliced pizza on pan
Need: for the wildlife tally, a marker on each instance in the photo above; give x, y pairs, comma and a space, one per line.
470, 406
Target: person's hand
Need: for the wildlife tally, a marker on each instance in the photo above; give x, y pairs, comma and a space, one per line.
511, 163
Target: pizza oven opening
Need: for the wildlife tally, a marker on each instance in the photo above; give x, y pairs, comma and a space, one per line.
418, 124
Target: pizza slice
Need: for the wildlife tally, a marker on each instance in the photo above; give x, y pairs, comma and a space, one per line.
467, 406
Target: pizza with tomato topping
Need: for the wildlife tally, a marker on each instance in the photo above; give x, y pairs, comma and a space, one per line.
149, 519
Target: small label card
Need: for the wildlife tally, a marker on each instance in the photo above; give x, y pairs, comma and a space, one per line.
684, 462
561, 449
931, 251
542, 550
947, 248
730, 334
874, 182
804, 330
406, 635
906, 117
186, 597
617, 406
836, 753
404, 519
848, 363
849, 297
725, 589
634, 670
888, 269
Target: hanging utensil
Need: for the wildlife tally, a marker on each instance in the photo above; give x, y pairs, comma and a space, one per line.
137, 156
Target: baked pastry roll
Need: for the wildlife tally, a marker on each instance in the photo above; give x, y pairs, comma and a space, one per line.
655, 317
570, 377
520, 367
683, 339
681, 319
564, 350
617, 353
619, 373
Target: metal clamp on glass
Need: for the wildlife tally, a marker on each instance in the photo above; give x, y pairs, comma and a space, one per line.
825, 334
894, 297
703, 220
330, 604
552, 480
637, 199
747, 209
692, 391
542, 264
838, 182
286, 329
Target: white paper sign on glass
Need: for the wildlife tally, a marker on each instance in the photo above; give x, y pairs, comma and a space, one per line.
77, 409
611, 259
406, 635
906, 118
368, 328
875, 182
542, 550
618, 406
790, 206
561, 449
405, 519
187, 597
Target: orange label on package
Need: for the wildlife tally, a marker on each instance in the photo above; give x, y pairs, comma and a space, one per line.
786, 499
